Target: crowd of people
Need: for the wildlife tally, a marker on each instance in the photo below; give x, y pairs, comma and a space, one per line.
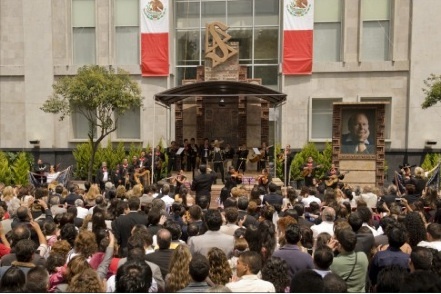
166, 238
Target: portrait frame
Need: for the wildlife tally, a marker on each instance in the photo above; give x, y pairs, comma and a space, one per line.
375, 113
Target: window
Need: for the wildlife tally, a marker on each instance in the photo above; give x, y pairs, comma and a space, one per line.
83, 32
127, 32
80, 126
321, 118
253, 23
376, 30
129, 125
327, 30
388, 112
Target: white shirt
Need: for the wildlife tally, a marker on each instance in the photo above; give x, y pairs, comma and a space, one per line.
374, 231
323, 227
434, 244
251, 283
82, 212
168, 202
307, 200
370, 199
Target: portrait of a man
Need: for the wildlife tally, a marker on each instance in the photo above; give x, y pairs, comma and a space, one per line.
360, 136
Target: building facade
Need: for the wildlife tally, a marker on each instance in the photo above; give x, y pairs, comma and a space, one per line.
364, 50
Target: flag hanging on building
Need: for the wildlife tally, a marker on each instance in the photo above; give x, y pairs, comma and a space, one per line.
298, 24
434, 179
154, 37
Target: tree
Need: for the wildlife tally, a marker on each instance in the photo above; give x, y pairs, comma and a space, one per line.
20, 169
99, 94
432, 92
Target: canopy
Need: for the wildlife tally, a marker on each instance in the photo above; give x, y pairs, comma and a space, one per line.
220, 89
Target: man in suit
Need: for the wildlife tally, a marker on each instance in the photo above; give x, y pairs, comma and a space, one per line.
357, 140
273, 198
72, 196
162, 256
213, 237
103, 175
122, 226
202, 182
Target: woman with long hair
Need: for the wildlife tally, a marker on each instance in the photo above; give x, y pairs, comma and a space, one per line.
91, 195
220, 271
415, 227
267, 239
276, 271
178, 277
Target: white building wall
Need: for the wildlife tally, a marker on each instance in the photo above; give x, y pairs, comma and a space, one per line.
425, 55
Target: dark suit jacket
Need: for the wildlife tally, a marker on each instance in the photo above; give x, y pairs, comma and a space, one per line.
122, 227
250, 220
202, 183
70, 199
273, 199
347, 146
161, 257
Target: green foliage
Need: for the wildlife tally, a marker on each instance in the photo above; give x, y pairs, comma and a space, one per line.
5, 170
134, 150
119, 154
100, 95
20, 169
325, 159
430, 161
432, 91
82, 157
300, 158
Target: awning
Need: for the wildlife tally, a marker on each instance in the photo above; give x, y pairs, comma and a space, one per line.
220, 89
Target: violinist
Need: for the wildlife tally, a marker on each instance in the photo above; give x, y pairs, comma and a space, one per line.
179, 180
232, 179
264, 179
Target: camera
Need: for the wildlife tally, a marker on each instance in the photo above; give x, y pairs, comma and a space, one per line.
398, 200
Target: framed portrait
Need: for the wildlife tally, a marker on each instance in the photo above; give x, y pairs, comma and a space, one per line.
358, 140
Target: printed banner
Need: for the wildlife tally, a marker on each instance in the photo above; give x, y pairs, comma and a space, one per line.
154, 37
298, 24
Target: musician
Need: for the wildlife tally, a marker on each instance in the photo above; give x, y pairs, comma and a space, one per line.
333, 176
218, 159
40, 167
52, 174
194, 151
242, 154
103, 175
308, 171
132, 169
204, 152
264, 179
357, 140
171, 153
287, 155
404, 177
263, 157
142, 169
159, 159
124, 177
186, 156
229, 155
179, 180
